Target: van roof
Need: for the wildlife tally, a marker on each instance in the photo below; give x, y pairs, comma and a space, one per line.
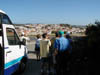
2, 12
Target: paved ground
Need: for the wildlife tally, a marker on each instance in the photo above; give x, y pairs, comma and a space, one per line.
33, 67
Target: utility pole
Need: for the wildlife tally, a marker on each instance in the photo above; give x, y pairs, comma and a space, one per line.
1, 49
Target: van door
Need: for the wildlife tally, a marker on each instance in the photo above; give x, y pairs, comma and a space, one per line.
13, 54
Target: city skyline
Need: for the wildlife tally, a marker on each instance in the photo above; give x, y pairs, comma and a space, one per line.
74, 12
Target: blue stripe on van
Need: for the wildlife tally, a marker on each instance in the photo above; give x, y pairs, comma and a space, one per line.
11, 69
12, 62
12, 66
6, 47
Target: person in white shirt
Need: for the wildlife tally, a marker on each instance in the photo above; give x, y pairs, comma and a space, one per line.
24, 38
44, 50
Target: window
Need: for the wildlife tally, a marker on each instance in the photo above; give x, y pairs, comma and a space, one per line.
0, 20
6, 20
12, 37
0, 26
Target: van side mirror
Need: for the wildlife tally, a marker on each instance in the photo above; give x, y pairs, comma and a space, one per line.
23, 42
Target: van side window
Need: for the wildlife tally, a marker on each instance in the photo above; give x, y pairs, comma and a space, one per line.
6, 20
12, 37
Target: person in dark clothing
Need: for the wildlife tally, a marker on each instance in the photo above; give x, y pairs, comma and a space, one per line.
37, 47
70, 50
70, 41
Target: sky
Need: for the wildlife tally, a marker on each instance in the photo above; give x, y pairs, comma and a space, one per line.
74, 12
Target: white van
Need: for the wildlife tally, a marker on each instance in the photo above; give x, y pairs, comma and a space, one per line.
15, 52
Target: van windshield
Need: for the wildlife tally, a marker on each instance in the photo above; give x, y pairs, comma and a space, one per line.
5, 19
0, 37
0, 20
0, 25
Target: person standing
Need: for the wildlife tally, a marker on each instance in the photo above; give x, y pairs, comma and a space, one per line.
37, 47
61, 46
70, 41
24, 39
44, 51
53, 51
70, 50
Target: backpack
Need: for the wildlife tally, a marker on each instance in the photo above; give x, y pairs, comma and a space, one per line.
37, 47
